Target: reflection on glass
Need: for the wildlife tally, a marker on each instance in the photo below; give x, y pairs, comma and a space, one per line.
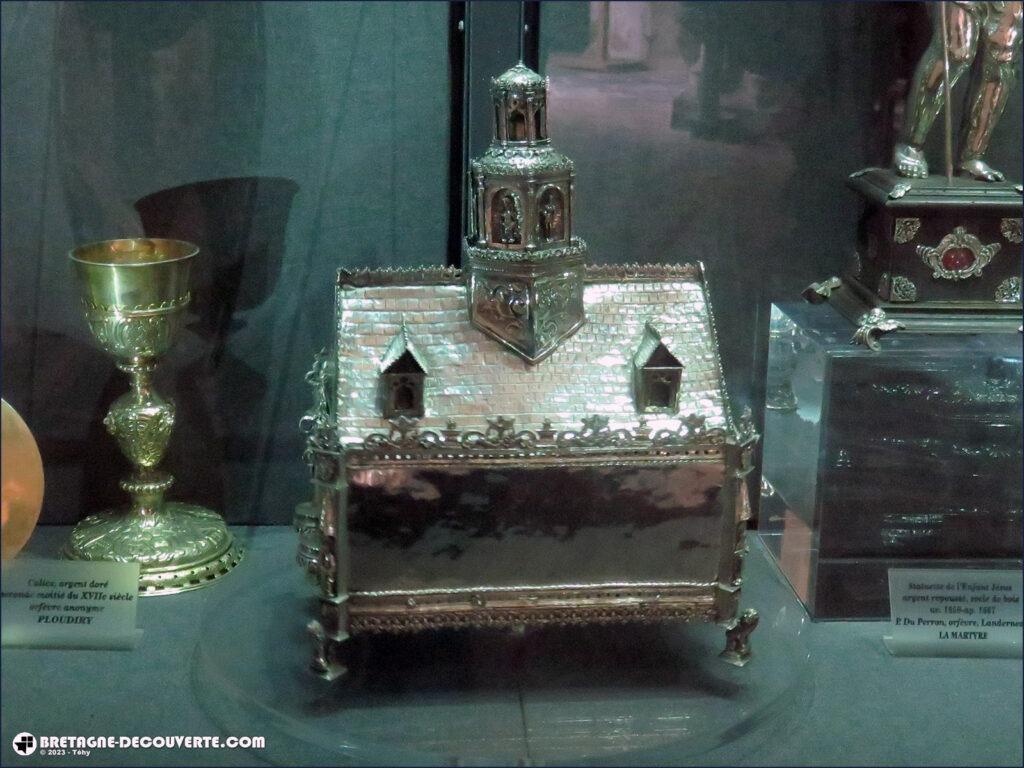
723, 131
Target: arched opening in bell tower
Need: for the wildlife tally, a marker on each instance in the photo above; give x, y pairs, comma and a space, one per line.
516, 125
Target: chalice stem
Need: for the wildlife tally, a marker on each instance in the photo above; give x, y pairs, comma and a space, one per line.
142, 422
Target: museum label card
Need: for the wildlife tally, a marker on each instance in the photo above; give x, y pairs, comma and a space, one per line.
963, 612
62, 604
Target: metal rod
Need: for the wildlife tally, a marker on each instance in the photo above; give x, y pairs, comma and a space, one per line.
522, 30
948, 92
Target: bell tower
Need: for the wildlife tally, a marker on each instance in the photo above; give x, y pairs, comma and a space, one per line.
525, 265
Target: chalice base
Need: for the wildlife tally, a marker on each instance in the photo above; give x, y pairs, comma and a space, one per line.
179, 548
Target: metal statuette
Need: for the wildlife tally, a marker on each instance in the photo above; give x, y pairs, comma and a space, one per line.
986, 35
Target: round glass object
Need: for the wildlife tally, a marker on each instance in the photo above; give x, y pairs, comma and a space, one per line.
21, 491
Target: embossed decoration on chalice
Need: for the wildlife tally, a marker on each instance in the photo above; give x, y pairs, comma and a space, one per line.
134, 293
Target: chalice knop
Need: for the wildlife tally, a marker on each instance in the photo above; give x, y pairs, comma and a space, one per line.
135, 292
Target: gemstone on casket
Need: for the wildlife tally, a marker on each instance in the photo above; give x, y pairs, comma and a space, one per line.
958, 259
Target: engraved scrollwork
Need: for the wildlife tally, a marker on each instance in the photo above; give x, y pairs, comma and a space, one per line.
905, 229
126, 335
559, 301
504, 306
1008, 291
142, 429
576, 248
871, 326
1011, 229
958, 255
499, 160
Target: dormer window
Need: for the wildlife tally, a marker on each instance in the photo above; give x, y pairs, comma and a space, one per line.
402, 378
658, 375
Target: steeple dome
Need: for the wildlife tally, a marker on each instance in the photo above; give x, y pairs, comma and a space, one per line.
520, 106
525, 266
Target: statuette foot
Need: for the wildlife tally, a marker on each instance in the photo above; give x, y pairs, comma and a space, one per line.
980, 170
910, 161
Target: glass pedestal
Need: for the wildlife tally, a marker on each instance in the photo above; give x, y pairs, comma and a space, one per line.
617, 694
908, 457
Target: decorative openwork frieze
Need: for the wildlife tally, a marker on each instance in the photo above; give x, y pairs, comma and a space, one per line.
637, 271
362, 278
406, 439
510, 617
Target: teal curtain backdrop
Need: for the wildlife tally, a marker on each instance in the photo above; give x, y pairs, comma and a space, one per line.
287, 139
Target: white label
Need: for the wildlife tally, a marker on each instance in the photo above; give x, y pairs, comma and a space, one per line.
62, 604
964, 612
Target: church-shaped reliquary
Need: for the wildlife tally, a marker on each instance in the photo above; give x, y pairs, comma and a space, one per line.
530, 439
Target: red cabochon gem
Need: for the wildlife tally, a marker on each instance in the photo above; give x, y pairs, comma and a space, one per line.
957, 259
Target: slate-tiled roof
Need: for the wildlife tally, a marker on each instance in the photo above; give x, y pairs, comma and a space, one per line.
471, 377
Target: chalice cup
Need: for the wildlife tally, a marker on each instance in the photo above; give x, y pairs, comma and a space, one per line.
135, 292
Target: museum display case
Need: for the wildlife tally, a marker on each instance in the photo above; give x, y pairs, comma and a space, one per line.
511, 383
845, 497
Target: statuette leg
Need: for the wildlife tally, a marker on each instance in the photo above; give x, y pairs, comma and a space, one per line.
927, 91
990, 86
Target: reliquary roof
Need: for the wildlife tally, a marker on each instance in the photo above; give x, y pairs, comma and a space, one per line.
470, 377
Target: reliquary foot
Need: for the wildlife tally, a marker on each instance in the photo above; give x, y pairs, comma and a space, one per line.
737, 638
327, 653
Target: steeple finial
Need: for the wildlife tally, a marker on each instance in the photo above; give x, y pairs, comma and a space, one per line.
522, 30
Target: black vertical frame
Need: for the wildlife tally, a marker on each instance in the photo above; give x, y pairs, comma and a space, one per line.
531, 34
483, 41
458, 33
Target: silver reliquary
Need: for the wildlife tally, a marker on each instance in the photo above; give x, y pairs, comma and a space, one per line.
528, 440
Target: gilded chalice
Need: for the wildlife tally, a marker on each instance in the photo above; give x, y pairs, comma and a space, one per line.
135, 292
